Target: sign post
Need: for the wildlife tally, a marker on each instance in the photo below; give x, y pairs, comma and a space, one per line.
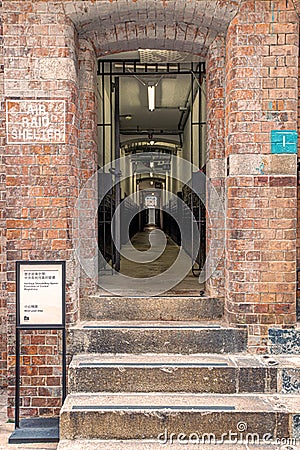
41, 301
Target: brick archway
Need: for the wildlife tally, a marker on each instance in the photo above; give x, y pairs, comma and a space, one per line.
195, 27
239, 40
173, 25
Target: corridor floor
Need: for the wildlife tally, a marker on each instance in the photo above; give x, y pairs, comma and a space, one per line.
188, 286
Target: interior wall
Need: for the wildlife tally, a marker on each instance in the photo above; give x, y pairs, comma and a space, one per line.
195, 134
194, 137
203, 126
175, 177
106, 111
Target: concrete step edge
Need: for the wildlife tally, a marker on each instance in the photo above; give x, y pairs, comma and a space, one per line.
239, 360
99, 444
187, 297
155, 324
154, 416
245, 403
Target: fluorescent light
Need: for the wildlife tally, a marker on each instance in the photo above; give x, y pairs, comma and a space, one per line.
151, 98
149, 66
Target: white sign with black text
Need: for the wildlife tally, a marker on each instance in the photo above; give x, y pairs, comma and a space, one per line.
40, 294
35, 121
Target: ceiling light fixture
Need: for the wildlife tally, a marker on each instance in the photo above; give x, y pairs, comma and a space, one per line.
151, 90
151, 97
126, 116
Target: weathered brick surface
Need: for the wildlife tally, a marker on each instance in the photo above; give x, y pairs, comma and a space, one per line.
177, 24
88, 150
42, 180
298, 198
261, 95
215, 68
3, 299
40, 391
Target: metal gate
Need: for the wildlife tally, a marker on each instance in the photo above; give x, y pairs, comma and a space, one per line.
109, 144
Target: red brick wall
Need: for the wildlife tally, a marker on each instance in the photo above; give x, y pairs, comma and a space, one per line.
42, 184
3, 299
262, 95
88, 149
298, 194
40, 390
215, 69
43, 181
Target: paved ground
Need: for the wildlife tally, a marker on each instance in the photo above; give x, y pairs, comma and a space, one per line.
189, 284
7, 428
132, 269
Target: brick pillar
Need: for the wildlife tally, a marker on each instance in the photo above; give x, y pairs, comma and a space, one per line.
88, 150
215, 79
3, 299
261, 95
42, 185
298, 196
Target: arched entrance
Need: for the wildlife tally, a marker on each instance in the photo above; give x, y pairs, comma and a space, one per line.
188, 38
152, 115
202, 32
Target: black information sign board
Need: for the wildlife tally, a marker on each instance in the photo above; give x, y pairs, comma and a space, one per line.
41, 294
41, 305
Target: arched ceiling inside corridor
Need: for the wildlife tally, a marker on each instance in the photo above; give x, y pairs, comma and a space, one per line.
175, 90
120, 25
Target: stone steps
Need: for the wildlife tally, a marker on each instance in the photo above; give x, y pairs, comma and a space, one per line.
155, 337
97, 307
124, 416
135, 379
97, 444
199, 373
